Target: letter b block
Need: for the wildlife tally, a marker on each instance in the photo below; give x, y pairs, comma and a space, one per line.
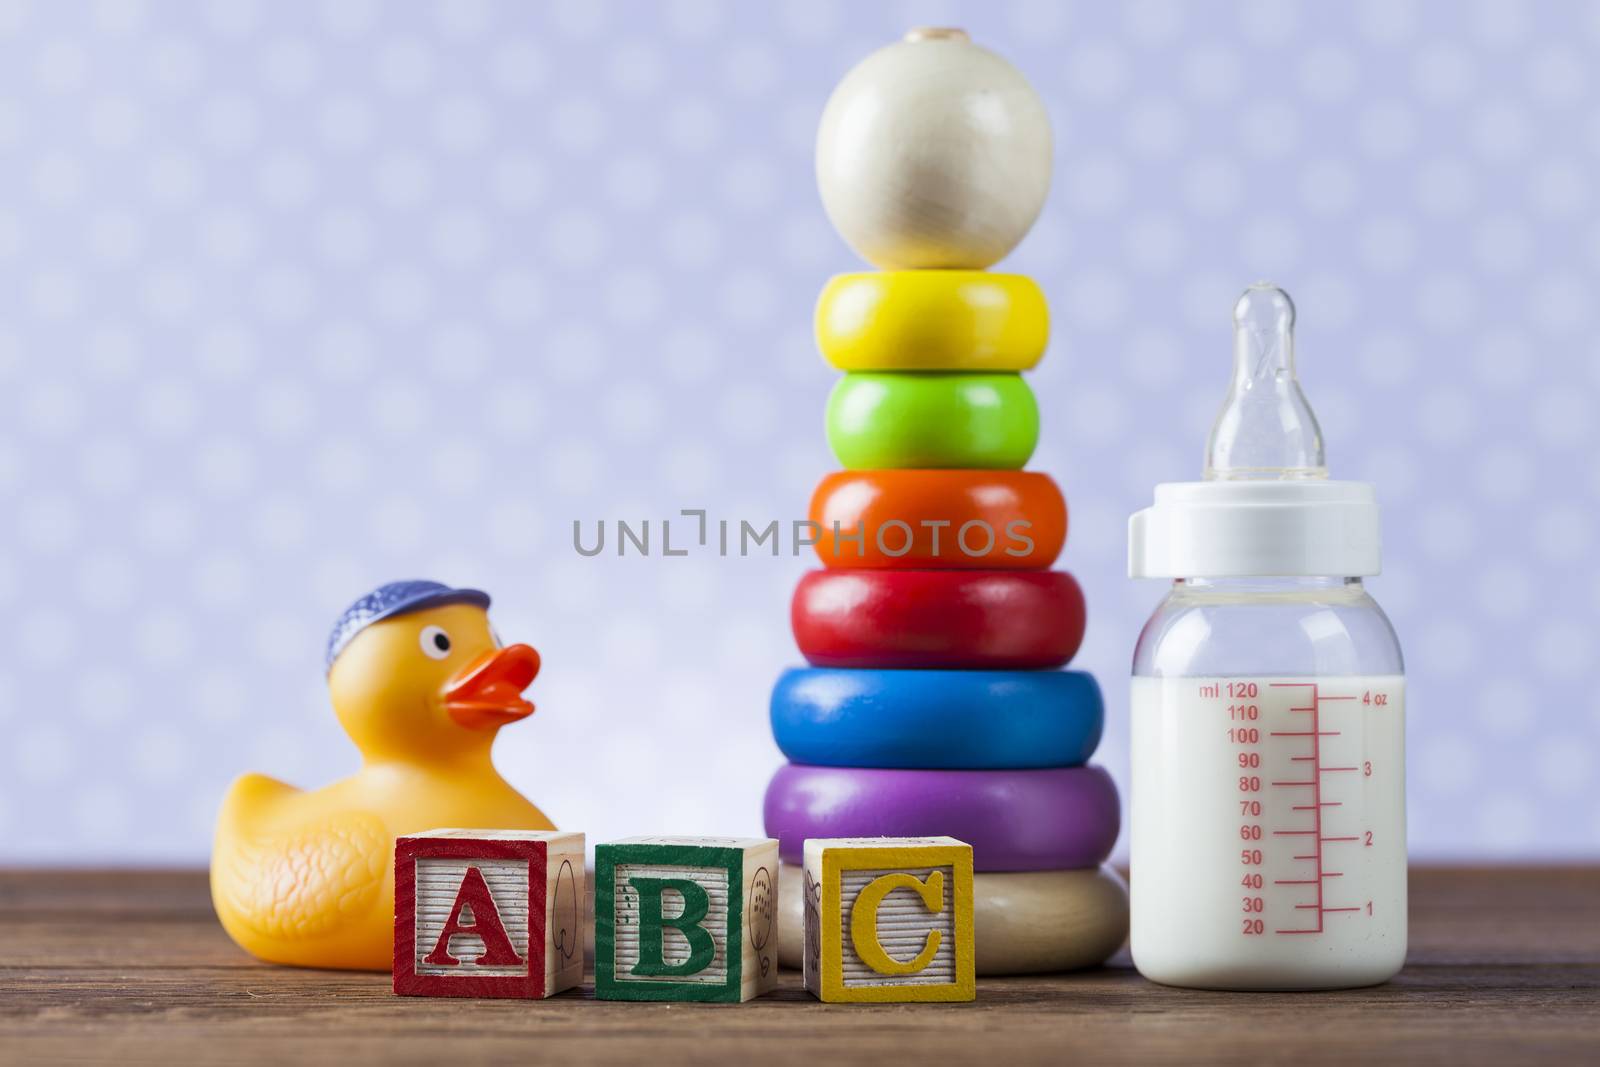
686, 918
889, 919
488, 913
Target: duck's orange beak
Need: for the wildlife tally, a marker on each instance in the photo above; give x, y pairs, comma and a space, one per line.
489, 691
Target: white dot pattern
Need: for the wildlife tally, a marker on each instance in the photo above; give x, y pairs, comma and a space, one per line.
304, 298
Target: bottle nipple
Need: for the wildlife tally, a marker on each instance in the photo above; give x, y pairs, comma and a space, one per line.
1266, 429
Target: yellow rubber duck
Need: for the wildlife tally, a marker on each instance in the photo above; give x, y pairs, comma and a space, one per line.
422, 686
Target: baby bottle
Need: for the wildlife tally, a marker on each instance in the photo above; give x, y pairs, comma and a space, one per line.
1268, 805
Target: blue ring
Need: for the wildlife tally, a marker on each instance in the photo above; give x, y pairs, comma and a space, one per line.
937, 720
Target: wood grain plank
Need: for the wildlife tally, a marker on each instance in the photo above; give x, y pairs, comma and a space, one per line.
1505, 967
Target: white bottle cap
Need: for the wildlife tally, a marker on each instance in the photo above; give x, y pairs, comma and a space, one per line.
1266, 508
1256, 528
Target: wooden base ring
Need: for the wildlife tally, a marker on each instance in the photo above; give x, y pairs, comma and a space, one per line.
1033, 922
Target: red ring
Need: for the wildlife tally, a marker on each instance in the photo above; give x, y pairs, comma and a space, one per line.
974, 620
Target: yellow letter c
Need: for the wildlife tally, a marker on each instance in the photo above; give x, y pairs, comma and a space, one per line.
864, 921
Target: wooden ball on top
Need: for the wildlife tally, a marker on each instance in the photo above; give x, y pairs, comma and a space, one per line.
933, 153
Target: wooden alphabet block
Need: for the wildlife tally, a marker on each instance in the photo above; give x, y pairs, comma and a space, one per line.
888, 919
686, 918
488, 913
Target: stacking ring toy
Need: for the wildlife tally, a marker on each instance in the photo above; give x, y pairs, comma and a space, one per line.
1026, 922
1062, 818
977, 620
964, 320
939, 518
932, 420
937, 719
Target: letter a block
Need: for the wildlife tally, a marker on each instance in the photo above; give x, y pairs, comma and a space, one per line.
488, 913
889, 918
686, 918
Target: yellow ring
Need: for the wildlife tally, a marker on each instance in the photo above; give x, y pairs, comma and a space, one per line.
932, 320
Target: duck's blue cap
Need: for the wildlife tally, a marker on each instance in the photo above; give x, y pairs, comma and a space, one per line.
395, 598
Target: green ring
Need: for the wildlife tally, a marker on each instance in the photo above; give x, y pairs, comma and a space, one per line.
889, 420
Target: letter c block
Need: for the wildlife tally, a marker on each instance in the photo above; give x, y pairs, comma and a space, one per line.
889, 919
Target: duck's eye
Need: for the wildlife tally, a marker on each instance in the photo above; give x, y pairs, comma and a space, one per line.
435, 642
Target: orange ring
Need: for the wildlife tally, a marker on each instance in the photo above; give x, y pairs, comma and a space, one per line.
939, 519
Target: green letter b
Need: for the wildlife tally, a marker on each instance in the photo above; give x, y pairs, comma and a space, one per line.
652, 935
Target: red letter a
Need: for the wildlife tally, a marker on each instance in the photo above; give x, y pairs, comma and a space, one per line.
498, 950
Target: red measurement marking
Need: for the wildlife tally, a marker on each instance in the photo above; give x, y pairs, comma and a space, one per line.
1316, 734
1316, 793
1306, 881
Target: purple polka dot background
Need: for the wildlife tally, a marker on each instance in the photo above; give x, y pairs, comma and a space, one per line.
299, 298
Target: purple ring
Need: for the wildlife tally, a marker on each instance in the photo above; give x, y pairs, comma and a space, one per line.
1059, 818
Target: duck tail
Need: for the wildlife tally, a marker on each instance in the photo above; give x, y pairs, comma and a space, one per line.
236, 859
285, 879
250, 797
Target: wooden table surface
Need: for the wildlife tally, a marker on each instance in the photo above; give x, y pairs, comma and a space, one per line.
132, 966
